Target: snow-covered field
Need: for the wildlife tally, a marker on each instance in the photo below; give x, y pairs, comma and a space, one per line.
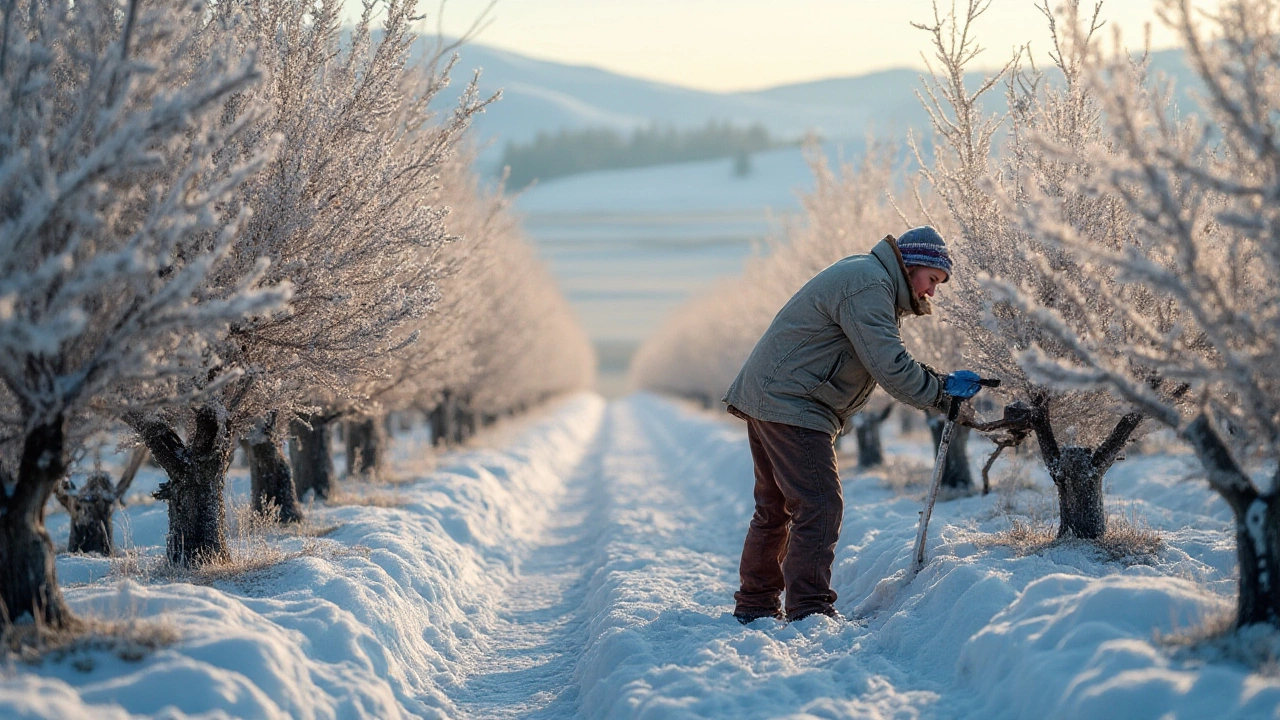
628, 247
584, 567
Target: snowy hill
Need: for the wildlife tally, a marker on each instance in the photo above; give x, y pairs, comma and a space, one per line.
585, 567
540, 95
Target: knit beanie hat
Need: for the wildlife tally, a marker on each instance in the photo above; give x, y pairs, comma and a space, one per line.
924, 246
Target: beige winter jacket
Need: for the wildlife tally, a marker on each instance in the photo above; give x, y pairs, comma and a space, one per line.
832, 343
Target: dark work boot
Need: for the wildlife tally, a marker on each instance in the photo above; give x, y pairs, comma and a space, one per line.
746, 617
829, 612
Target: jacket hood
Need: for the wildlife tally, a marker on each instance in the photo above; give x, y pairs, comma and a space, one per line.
886, 251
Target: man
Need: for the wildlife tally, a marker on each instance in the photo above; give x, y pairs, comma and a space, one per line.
816, 365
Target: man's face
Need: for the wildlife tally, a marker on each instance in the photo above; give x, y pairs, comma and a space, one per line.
924, 280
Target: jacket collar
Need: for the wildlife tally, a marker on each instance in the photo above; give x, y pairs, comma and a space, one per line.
886, 251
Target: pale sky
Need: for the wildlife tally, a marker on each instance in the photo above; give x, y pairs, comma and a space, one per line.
727, 45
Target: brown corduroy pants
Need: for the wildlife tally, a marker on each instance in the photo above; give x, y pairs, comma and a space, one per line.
791, 542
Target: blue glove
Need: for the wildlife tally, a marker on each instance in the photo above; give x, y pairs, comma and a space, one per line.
962, 384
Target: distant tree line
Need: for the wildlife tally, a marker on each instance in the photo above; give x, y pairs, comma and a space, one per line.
569, 152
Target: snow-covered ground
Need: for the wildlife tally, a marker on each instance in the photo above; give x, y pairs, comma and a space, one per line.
584, 567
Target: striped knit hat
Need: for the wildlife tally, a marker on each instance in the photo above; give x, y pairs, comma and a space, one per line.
924, 246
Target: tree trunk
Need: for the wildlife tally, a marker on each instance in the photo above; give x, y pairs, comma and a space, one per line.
311, 456
364, 447
270, 482
1077, 472
866, 428
907, 420
1257, 525
468, 422
93, 505
441, 419
29, 575
90, 508
1079, 486
1258, 548
197, 473
458, 425
955, 469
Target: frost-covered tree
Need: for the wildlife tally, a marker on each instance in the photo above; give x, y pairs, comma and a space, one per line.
1000, 206
115, 215
506, 338
1201, 190
343, 212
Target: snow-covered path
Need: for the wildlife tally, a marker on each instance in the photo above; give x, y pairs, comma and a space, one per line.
584, 568
624, 500
525, 667
623, 609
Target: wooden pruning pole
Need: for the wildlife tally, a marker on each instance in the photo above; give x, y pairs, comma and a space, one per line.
940, 461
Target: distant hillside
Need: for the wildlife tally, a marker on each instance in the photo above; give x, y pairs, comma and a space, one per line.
544, 96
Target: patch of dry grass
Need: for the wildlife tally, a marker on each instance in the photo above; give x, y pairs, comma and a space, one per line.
368, 494
255, 542
1023, 537
129, 639
1128, 540
1216, 639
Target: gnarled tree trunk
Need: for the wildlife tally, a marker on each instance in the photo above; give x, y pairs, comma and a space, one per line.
955, 470
270, 481
866, 428
311, 455
197, 473
1078, 471
28, 572
1257, 518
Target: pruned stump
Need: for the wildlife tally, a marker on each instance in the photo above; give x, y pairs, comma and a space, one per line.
90, 508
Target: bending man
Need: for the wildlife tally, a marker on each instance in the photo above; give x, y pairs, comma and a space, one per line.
816, 365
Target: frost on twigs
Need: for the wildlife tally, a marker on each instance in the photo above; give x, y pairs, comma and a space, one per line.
345, 214
502, 337
117, 208
1189, 313
1018, 292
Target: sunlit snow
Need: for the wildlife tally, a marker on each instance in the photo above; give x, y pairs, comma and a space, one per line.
582, 564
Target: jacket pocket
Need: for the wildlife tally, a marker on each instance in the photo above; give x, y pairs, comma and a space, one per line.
828, 392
